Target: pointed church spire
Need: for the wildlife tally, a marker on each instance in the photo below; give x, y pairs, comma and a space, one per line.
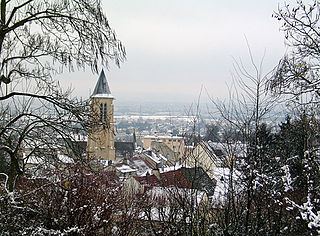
102, 87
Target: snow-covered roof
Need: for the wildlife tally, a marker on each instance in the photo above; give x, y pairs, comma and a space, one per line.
154, 157
222, 176
167, 192
163, 157
125, 169
238, 149
141, 166
177, 166
34, 160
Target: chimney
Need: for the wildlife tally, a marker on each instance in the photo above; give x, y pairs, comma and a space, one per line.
156, 173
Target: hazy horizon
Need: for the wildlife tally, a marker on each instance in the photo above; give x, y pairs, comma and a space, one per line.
177, 48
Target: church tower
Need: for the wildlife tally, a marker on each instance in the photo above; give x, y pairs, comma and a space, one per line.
101, 135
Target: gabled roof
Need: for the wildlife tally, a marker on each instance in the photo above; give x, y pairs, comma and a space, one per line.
229, 149
208, 150
162, 149
102, 88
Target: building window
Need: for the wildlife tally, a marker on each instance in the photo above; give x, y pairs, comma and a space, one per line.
101, 110
105, 112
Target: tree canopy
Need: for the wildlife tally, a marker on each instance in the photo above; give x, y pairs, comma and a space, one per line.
39, 37
297, 74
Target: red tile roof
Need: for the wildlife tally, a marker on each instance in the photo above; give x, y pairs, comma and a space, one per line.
167, 179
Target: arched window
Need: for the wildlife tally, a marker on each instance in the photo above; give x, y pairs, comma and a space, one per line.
105, 112
101, 110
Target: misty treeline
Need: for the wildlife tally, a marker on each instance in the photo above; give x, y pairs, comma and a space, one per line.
273, 189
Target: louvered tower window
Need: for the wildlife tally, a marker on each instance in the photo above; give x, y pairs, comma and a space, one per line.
105, 112
101, 111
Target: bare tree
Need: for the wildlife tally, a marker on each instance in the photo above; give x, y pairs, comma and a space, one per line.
71, 202
177, 211
35, 34
297, 74
243, 117
39, 38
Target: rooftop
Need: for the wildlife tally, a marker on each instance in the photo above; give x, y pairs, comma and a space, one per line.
102, 88
167, 179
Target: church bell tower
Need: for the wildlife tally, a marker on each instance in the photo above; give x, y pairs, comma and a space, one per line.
101, 135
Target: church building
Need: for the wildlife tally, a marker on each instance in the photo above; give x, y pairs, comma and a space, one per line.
100, 143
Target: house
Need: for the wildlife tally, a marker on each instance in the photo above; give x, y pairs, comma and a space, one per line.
171, 195
133, 166
163, 149
175, 143
78, 145
204, 156
210, 155
183, 178
154, 160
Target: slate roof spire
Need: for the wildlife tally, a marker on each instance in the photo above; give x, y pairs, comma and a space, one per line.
102, 87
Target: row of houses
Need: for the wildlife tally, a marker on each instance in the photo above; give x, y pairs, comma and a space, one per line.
163, 168
161, 153
158, 154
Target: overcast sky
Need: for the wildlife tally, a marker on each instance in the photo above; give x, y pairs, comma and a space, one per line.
176, 46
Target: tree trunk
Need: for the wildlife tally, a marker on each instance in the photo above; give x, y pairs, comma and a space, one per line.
13, 172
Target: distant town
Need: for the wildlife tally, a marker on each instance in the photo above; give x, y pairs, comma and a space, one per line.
248, 164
